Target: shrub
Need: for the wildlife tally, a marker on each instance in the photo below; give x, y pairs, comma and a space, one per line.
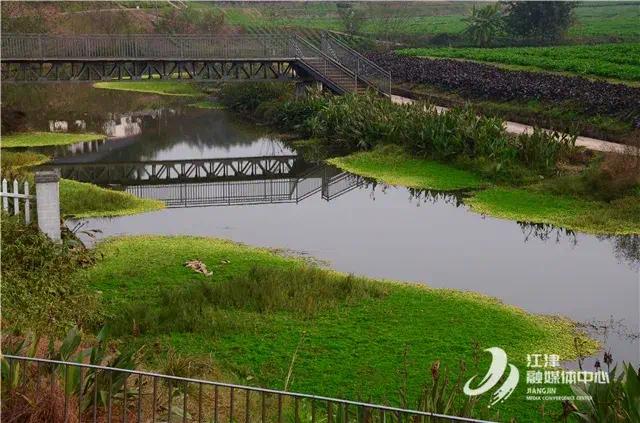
42, 290
364, 121
246, 97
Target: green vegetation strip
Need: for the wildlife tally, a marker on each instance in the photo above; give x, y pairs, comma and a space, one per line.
175, 88
620, 216
260, 315
42, 139
81, 200
619, 61
394, 167
20, 159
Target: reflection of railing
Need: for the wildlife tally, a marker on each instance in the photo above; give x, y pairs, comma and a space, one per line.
267, 191
106, 394
339, 184
180, 171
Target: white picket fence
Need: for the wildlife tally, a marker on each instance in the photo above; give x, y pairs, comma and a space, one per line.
17, 197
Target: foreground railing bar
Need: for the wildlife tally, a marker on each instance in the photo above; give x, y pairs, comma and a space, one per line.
110, 394
80, 394
66, 397
171, 378
155, 392
184, 403
139, 410
124, 400
199, 402
231, 405
215, 404
170, 400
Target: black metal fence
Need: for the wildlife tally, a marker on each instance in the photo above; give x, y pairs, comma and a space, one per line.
85, 392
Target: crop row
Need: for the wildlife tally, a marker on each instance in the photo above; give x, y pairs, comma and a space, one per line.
621, 61
478, 80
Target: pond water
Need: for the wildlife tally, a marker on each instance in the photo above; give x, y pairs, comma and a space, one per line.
226, 179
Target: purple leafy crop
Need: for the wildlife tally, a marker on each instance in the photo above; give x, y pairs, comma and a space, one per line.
483, 81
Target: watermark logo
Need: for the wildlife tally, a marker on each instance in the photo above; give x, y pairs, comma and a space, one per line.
493, 376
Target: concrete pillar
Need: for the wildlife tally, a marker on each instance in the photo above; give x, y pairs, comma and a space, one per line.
48, 203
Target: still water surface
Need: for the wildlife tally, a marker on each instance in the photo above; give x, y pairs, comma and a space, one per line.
351, 224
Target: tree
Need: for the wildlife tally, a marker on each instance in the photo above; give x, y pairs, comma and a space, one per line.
484, 24
352, 18
545, 21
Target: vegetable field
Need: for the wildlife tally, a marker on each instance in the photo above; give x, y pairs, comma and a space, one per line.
619, 61
478, 80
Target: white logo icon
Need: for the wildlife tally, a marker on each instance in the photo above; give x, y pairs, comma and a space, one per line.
493, 376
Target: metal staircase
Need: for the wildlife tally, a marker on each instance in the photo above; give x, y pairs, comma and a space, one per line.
339, 66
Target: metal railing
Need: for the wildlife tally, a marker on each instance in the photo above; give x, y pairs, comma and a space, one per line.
94, 393
363, 68
143, 47
331, 55
314, 58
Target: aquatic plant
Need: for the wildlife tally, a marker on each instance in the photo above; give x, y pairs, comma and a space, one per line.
616, 401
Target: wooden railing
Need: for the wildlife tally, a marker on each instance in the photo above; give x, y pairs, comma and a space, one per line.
16, 198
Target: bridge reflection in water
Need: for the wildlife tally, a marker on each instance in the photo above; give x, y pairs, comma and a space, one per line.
219, 182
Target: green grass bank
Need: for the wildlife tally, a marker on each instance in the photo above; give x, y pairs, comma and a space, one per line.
77, 199
550, 202
43, 139
82, 200
261, 315
392, 166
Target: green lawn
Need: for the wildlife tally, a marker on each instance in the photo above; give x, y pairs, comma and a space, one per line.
175, 88
351, 336
79, 199
42, 139
619, 61
392, 166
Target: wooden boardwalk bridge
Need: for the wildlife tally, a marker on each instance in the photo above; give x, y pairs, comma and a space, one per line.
45, 58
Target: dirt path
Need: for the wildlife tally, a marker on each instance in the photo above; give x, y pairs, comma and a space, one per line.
519, 128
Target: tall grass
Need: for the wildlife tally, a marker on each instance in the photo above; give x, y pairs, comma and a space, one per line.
202, 306
365, 121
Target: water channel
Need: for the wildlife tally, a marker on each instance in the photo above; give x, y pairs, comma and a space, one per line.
223, 178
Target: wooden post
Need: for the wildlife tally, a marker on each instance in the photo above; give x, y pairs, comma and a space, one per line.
27, 204
5, 200
16, 200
